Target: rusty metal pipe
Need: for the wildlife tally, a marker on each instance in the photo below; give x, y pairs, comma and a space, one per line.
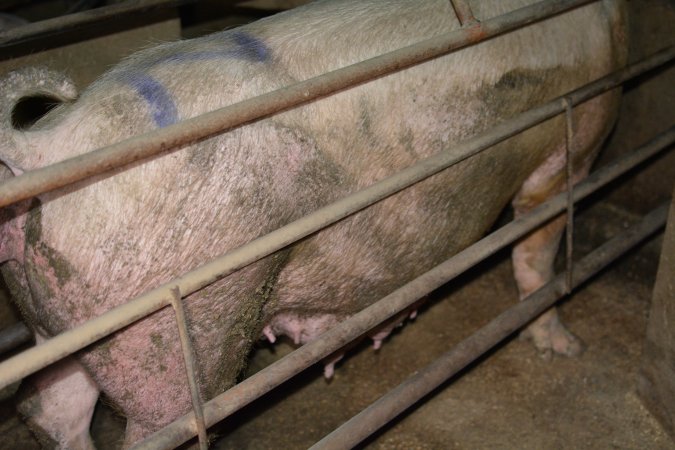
190, 368
569, 174
189, 131
72, 340
262, 382
424, 381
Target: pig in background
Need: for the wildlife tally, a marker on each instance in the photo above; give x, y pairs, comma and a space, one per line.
75, 253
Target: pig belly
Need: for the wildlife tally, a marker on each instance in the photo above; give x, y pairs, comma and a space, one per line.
346, 267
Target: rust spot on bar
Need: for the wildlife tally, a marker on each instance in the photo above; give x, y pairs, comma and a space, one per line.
476, 33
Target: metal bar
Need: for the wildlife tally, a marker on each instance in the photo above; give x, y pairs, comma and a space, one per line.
190, 368
14, 336
450, 363
569, 229
255, 386
189, 131
463, 12
70, 22
72, 340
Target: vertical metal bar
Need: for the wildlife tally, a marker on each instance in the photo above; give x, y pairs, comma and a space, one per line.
463, 12
569, 229
190, 367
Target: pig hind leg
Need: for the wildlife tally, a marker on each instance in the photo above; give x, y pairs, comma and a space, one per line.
58, 405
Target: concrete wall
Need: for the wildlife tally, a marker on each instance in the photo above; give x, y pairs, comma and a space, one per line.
656, 382
648, 107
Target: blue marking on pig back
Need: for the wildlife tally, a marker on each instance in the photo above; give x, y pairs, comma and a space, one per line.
251, 47
246, 47
161, 104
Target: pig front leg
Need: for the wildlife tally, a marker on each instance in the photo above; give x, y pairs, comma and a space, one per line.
58, 403
533, 267
533, 256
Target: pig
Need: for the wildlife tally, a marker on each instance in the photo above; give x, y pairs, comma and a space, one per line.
75, 253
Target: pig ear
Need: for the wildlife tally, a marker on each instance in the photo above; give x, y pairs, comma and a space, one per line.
25, 96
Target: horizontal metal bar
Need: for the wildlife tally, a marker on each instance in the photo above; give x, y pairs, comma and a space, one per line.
14, 336
189, 131
393, 403
155, 299
262, 382
70, 22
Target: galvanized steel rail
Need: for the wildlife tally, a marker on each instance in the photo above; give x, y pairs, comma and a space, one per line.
394, 402
192, 130
272, 376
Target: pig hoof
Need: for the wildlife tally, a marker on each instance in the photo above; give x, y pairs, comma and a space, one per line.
567, 344
550, 339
